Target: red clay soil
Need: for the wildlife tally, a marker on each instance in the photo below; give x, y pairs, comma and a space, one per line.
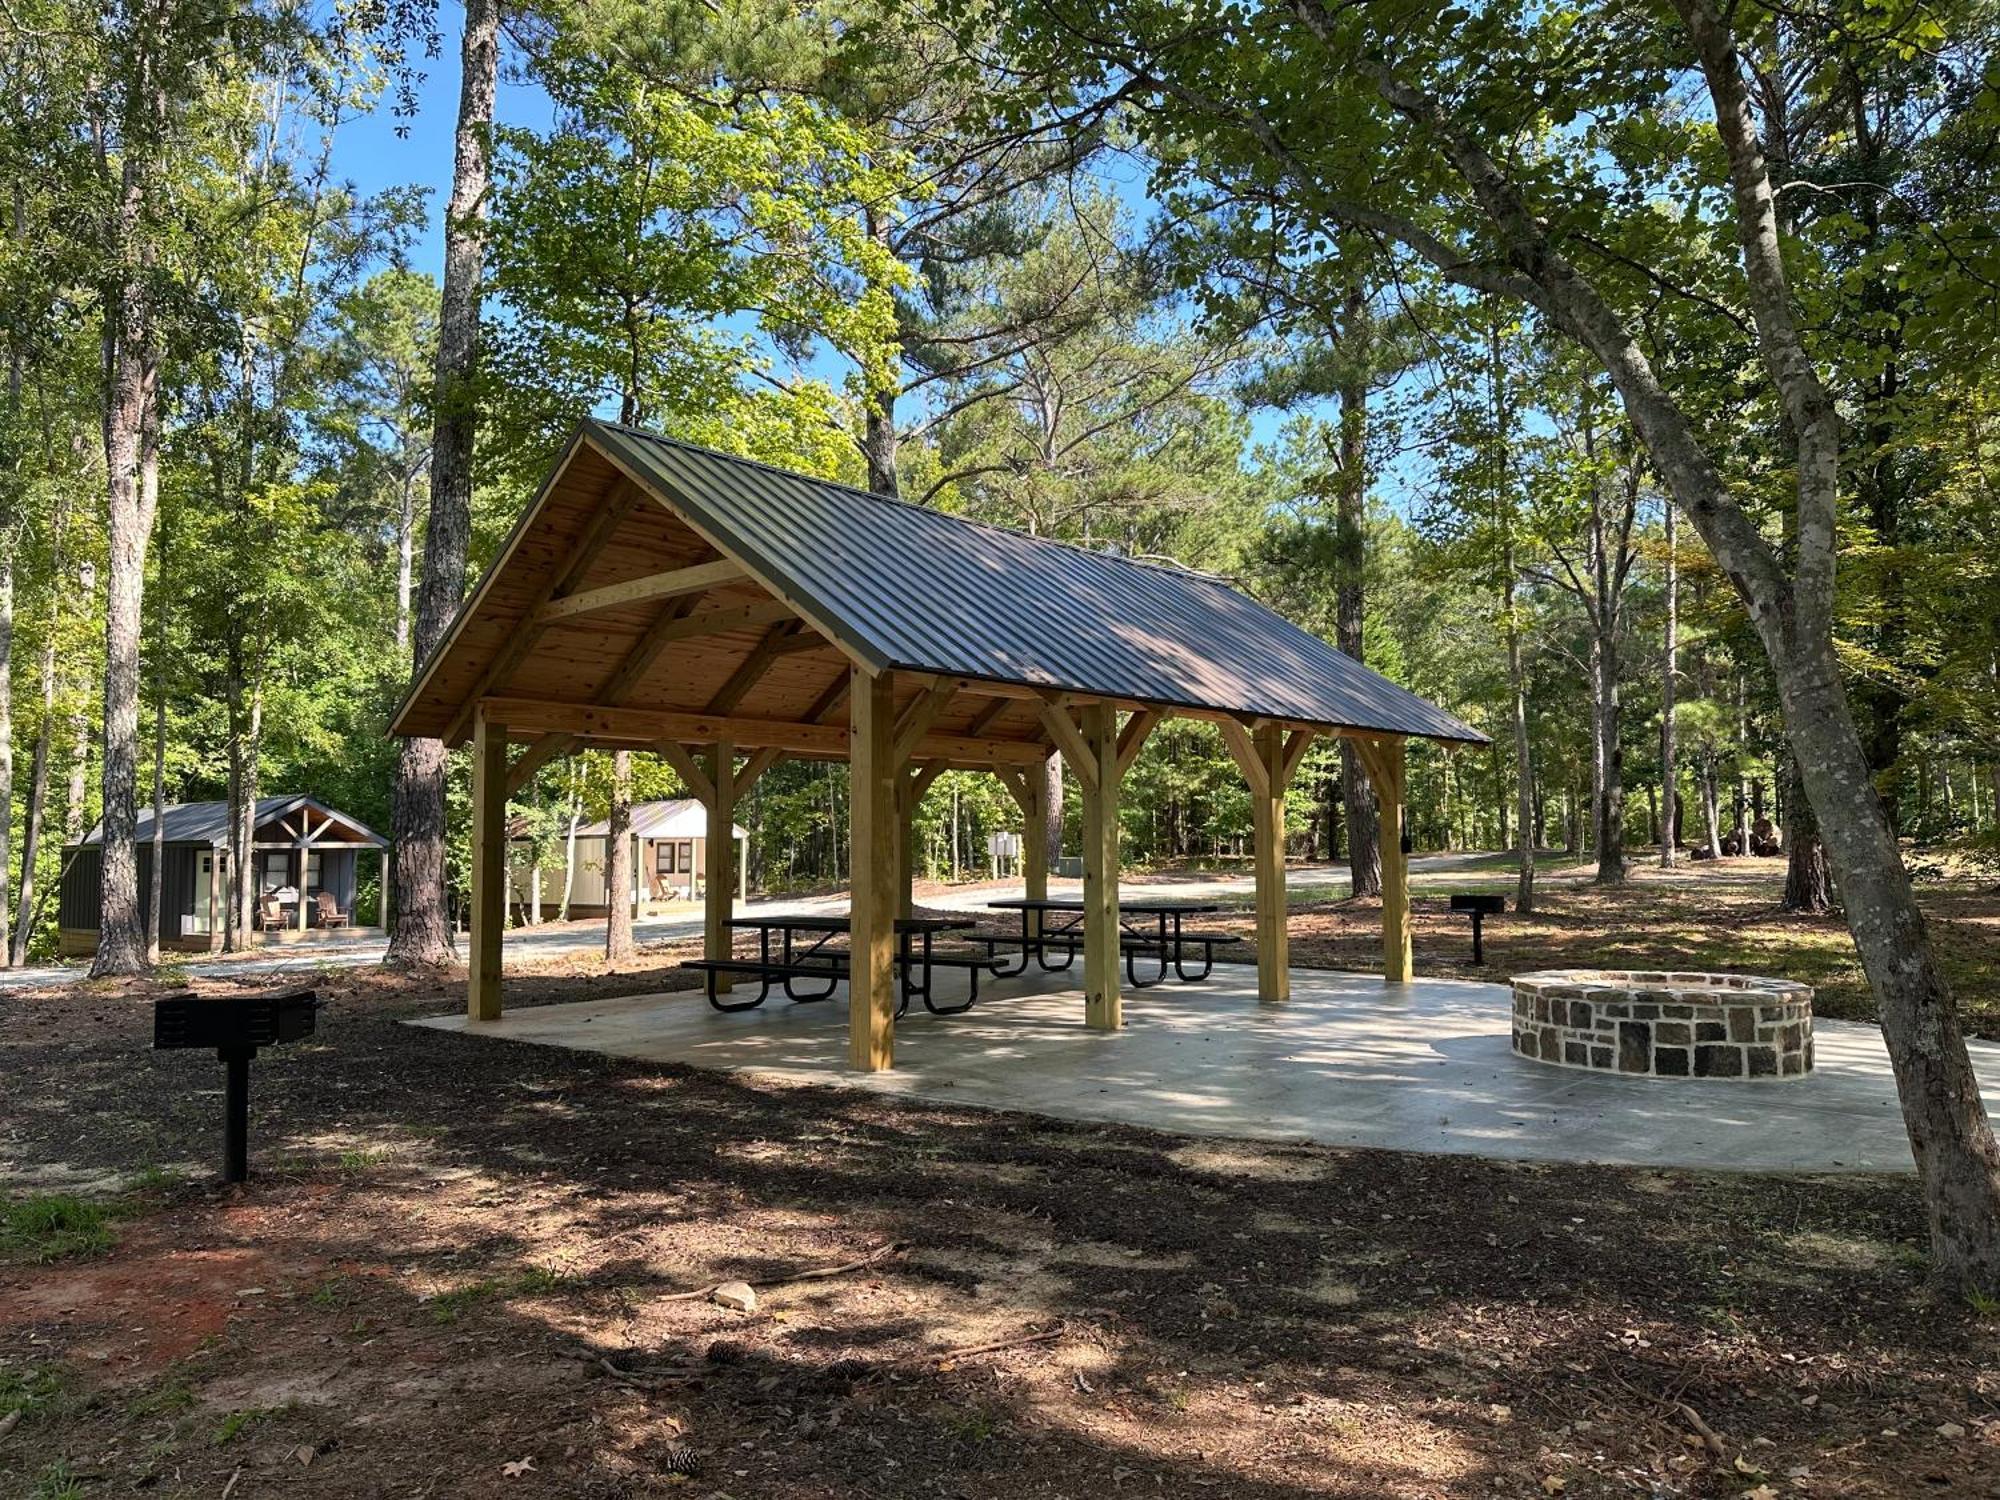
459, 1272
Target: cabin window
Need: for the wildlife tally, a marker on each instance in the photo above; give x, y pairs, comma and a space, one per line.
312, 872
666, 859
277, 870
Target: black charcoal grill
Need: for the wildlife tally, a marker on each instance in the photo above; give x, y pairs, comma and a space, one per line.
1479, 908
235, 1026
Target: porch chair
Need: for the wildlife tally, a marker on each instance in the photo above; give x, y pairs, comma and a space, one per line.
330, 914
270, 914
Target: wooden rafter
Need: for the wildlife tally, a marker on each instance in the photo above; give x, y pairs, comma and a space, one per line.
672, 584
753, 667
589, 546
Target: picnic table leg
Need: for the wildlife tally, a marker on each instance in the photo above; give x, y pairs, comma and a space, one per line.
1180, 966
994, 965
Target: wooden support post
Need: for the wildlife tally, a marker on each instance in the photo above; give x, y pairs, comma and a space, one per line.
388, 902
906, 858
301, 854
489, 875
1102, 1005
215, 922
719, 899
742, 867
1389, 773
1274, 974
873, 775
1035, 842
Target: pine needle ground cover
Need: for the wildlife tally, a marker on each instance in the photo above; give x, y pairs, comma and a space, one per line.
463, 1268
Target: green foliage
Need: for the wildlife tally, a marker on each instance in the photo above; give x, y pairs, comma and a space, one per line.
44, 1227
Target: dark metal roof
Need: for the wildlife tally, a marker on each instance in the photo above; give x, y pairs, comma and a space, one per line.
208, 822
922, 590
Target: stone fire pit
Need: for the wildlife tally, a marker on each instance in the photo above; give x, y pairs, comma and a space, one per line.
1665, 1025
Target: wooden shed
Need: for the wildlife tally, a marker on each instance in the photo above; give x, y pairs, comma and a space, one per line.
723, 613
669, 850
299, 845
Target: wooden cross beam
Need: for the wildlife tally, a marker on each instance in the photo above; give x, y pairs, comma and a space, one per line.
698, 579
643, 726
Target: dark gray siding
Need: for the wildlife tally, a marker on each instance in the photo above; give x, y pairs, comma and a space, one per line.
80, 896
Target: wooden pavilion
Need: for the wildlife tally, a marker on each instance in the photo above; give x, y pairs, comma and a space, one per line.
725, 614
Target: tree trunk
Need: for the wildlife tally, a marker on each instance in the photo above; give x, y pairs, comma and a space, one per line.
1808, 882
423, 935
1670, 831
569, 847
157, 875
618, 860
9, 534
131, 458
406, 544
1052, 779
878, 435
38, 774
1606, 586
1364, 854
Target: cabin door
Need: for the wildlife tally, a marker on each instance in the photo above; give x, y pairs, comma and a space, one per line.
202, 920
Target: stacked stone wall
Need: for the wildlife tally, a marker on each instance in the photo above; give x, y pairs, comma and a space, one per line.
1665, 1025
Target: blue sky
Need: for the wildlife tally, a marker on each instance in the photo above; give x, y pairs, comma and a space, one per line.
370, 153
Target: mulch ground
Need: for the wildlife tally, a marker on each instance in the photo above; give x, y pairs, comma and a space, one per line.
459, 1272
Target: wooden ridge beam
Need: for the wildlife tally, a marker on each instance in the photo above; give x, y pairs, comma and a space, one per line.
698, 579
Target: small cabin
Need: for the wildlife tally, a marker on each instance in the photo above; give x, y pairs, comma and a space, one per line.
300, 849
669, 854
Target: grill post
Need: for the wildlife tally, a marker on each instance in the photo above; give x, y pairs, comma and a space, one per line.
236, 1114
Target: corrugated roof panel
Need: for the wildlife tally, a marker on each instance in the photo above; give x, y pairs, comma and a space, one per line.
931, 592
208, 822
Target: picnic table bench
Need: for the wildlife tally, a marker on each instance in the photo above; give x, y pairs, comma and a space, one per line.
1149, 929
805, 956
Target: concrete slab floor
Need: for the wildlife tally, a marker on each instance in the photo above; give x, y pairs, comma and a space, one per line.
1348, 1061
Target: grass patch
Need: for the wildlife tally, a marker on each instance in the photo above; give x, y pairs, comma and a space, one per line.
43, 1227
449, 1307
57, 1482
539, 1281
30, 1391
236, 1423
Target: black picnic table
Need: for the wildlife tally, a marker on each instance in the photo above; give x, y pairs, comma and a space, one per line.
1167, 941
804, 955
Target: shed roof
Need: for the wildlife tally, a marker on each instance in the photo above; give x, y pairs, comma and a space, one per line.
669, 818
208, 822
892, 585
